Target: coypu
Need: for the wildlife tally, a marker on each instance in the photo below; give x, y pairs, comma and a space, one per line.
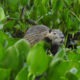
41, 32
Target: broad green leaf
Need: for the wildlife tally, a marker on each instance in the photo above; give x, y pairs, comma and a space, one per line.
13, 5
9, 25
73, 56
58, 70
42, 78
2, 55
37, 59
2, 14
79, 1
5, 74
23, 74
71, 76
68, 2
3, 39
6, 40
24, 2
12, 58
23, 48
11, 42
59, 56
58, 66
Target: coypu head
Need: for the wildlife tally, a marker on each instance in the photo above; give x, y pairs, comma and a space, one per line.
56, 38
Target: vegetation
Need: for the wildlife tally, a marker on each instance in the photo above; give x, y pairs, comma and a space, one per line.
18, 61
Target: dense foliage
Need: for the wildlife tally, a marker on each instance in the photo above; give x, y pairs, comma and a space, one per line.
18, 61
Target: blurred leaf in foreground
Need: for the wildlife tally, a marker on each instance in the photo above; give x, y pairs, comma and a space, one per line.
23, 74
37, 59
5, 74
2, 14
23, 47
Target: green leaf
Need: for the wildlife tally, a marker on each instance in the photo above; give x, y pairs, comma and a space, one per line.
37, 59
24, 2
5, 74
23, 74
42, 78
23, 48
12, 58
3, 38
9, 25
79, 1
73, 56
13, 5
59, 56
2, 55
71, 76
58, 70
2, 14
58, 66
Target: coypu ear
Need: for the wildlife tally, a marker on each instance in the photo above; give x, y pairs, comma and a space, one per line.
50, 30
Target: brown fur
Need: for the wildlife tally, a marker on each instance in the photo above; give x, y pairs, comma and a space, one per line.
40, 32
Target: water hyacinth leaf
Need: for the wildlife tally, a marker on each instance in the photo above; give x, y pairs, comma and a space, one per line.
71, 76
13, 5
1, 52
9, 25
3, 38
12, 58
61, 53
79, 1
57, 64
5, 74
23, 47
23, 74
2, 14
42, 78
57, 71
59, 56
6, 40
68, 2
37, 59
24, 2
2, 55
73, 56
11, 42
